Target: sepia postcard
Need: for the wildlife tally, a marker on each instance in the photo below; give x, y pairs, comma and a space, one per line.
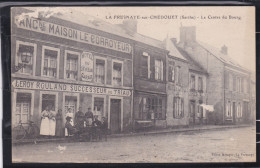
133, 84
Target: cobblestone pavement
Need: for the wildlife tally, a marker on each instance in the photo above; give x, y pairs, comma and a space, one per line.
226, 145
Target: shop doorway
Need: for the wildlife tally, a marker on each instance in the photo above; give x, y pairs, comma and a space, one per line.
115, 115
192, 112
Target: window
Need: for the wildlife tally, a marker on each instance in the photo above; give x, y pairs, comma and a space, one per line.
99, 107
177, 74
72, 66
23, 107
242, 85
230, 82
200, 84
228, 110
178, 107
50, 62
239, 110
150, 108
25, 57
238, 84
192, 83
100, 71
49, 100
171, 69
145, 66
158, 70
234, 83
117, 74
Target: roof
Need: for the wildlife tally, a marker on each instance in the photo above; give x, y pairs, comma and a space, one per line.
222, 57
173, 51
193, 65
72, 15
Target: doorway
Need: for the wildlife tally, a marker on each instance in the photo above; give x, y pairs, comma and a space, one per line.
115, 115
192, 112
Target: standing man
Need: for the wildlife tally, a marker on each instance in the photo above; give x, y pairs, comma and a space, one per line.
89, 117
79, 119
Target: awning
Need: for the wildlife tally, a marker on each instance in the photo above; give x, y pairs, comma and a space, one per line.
207, 107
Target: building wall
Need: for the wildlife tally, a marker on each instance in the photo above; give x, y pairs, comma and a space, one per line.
179, 89
85, 100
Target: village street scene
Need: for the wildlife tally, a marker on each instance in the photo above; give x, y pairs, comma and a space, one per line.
89, 90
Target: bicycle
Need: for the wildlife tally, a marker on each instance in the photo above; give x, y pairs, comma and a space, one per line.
20, 133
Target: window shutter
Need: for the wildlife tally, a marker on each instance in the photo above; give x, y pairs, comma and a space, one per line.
174, 107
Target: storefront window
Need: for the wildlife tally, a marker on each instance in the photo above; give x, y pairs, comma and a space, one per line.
50, 68
150, 108
70, 103
100, 71
99, 107
178, 107
23, 106
117, 74
25, 58
72, 66
158, 70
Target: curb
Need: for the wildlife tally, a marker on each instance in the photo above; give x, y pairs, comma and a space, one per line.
139, 133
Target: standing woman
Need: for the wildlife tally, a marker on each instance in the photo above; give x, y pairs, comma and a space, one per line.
59, 131
71, 115
52, 121
45, 126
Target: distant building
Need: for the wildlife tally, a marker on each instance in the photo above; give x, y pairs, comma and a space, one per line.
228, 84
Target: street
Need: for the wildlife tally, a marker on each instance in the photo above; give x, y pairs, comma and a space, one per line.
226, 145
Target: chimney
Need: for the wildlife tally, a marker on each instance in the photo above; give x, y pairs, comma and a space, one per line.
187, 34
130, 25
174, 40
224, 50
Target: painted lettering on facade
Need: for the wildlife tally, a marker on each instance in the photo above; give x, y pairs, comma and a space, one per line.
51, 86
86, 67
40, 26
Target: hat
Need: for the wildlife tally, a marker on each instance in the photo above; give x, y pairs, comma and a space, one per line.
68, 118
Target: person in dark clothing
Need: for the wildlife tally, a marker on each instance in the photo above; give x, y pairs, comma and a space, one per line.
71, 130
79, 119
59, 129
89, 117
96, 128
104, 128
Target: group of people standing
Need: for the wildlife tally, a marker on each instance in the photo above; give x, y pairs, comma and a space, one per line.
52, 122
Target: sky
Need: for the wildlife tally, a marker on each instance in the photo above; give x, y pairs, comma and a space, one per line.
217, 26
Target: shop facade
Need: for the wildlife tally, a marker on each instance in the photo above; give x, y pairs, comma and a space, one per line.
64, 65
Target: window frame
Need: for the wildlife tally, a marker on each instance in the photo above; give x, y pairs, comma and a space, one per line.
161, 75
145, 54
65, 64
34, 45
64, 100
179, 111
49, 93
200, 89
14, 98
105, 69
58, 60
194, 83
105, 106
122, 72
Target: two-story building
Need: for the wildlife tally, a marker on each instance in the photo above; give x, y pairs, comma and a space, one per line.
64, 62
186, 87
227, 83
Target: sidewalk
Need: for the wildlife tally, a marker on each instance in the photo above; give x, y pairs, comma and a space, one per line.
148, 132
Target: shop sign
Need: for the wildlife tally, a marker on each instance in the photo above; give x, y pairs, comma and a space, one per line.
86, 67
52, 29
62, 87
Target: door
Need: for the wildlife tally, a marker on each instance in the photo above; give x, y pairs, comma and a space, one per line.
115, 115
234, 112
245, 112
192, 112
